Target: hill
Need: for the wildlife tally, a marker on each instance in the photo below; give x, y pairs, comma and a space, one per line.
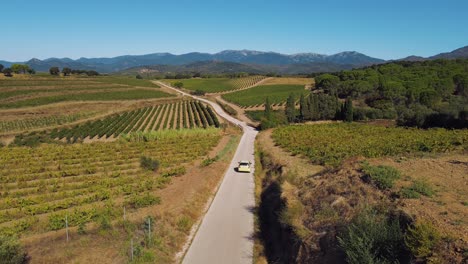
248, 57
461, 53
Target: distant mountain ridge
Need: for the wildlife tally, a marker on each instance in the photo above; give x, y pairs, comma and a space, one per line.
461, 53
120, 63
257, 61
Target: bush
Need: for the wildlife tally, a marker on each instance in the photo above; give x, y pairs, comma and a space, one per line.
382, 176
208, 161
373, 237
11, 251
421, 239
418, 187
139, 201
149, 163
198, 92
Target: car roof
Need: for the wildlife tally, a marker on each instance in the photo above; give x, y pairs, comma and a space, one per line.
244, 161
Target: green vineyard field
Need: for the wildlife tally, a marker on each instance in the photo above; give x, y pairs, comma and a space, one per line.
256, 96
330, 144
41, 122
183, 114
40, 186
216, 85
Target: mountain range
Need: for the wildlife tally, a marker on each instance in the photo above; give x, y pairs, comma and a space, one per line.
230, 60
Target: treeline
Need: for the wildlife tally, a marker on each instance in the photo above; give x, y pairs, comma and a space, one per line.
16, 68
67, 71
314, 107
423, 94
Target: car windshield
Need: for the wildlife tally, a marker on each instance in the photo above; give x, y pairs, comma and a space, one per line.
243, 164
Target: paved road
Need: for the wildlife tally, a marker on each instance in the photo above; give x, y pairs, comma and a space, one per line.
225, 234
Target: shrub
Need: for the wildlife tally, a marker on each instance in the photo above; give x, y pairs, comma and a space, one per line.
177, 171
198, 92
423, 187
421, 239
382, 176
11, 251
139, 201
208, 161
149, 163
372, 237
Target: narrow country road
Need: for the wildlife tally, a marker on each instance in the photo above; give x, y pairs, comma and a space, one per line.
226, 232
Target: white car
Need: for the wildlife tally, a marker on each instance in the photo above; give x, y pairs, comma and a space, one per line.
244, 166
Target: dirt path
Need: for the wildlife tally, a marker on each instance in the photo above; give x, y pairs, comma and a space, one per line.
240, 112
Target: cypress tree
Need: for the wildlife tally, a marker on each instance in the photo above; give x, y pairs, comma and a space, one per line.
290, 110
348, 109
302, 107
267, 113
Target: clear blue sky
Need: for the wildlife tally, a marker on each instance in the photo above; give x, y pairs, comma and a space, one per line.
384, 29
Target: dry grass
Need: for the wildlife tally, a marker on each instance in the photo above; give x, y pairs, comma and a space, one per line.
447, 174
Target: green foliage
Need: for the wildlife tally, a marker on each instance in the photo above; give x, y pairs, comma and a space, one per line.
290, 109
348, 110
66, 71
382, 176
54, 71
144, 200
8, 72
216, 85
208, 161
421, 239
424, 94
330, 144
277, 94
20, 68
149, 163
128, 81
134, 94
176, 171
198, 92
11, 252
373, 237
420, 186
178, 84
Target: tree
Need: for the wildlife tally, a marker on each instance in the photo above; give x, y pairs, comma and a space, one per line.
32, 71
267, 112
19, 68
54, 71
1, 67
66, 71
138, 76
92, 73
302, 108
178, 84
348, 110
7, 72
290, 110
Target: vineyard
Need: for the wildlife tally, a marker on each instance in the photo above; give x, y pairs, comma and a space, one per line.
330, 144
41, 122
36, 91
277, 94
40, 186
183, 114
216, 85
